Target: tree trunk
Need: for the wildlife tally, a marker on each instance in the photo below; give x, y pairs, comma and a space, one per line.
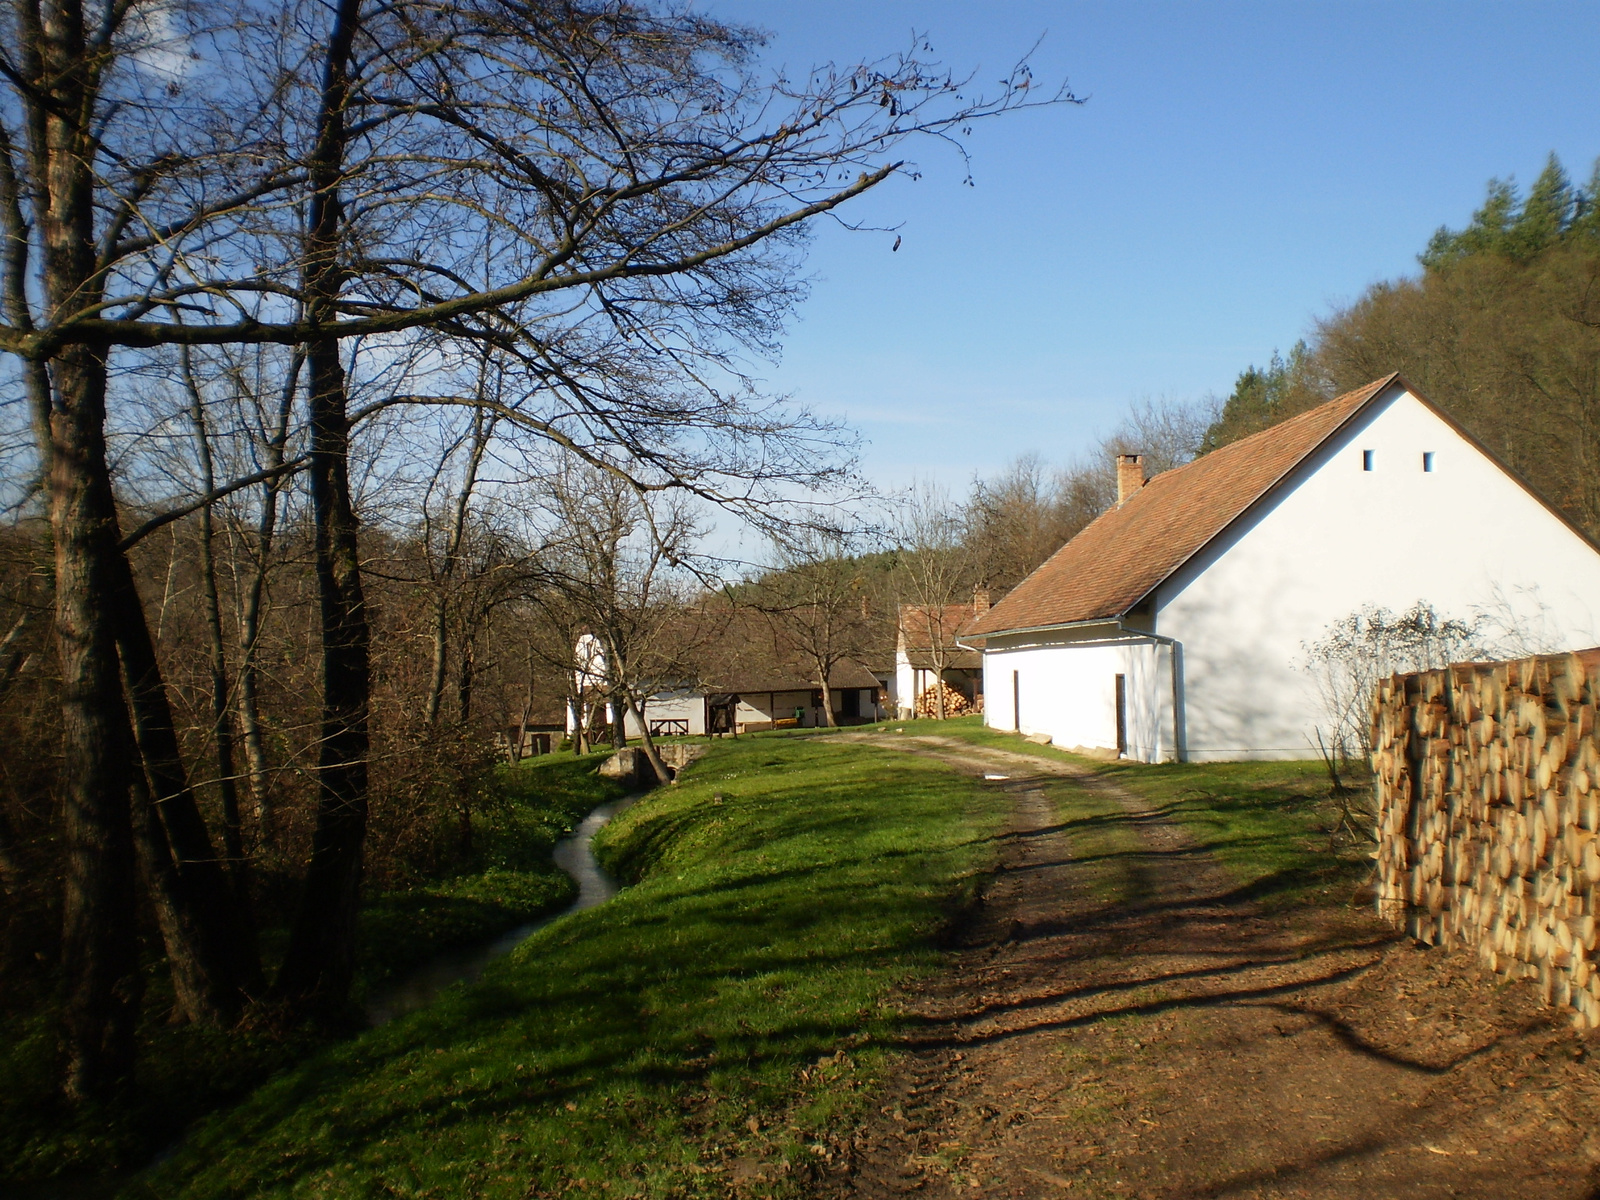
616, 701
663, 775
226, 952
319, 964
183, 934
827, 701
527, 713
318, 967
440, 655
238, 867
445, 577
99, 956
101, 985
250, 614
255, 750
466, 675
580, 735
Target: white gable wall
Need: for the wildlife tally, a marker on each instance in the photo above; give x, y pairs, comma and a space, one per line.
1465, 538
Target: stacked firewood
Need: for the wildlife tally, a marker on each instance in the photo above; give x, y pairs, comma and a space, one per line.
955, 704
1488, 779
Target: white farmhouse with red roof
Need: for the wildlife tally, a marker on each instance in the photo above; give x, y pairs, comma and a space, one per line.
1176, 625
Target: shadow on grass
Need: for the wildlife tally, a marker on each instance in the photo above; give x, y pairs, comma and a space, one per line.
763, 934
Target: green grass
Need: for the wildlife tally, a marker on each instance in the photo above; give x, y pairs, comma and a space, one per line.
725, 1017
1269, 824
511, 880
184, 1071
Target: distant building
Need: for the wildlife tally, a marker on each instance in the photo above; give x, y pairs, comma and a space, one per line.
1176, 625
737, 662
928, 647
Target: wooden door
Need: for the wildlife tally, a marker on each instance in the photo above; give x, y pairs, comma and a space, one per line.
1122, 715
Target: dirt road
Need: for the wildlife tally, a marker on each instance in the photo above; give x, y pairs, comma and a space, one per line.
1189, 1044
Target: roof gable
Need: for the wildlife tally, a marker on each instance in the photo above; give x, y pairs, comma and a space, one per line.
1129, 550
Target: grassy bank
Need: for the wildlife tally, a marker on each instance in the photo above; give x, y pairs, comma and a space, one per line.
511, 880
185, 1072
1270, 824
716, 1023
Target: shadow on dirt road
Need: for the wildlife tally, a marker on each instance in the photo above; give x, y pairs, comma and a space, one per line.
1121, 1020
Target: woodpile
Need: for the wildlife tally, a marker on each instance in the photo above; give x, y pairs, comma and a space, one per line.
1488, 782
955, 704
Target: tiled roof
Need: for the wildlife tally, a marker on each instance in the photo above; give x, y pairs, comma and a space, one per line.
1130, 549
745, 651
954, 658
918, 622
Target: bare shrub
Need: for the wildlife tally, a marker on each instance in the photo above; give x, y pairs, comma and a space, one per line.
1366, 646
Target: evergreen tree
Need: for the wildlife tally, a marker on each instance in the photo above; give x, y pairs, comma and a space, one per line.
1516, 228
1263, 397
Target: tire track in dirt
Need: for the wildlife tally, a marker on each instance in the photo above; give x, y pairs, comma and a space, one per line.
1177, 1040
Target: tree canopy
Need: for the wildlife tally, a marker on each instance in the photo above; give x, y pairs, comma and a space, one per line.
1501, 329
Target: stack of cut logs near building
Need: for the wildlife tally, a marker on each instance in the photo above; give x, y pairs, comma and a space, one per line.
955, 704
1488, 788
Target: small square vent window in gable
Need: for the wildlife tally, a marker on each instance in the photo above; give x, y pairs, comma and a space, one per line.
1427, 460
1366, 460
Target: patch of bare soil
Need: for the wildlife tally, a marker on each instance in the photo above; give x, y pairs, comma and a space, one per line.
1192, 1045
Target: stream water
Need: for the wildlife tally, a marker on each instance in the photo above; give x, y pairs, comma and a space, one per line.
574, 856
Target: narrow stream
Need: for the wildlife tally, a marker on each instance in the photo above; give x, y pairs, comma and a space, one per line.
574, 856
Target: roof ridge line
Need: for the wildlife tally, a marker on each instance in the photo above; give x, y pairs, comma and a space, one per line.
1104, 528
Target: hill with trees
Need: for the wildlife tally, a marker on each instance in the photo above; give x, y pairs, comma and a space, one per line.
1501, 329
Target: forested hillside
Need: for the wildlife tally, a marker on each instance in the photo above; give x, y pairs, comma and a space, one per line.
1501, 328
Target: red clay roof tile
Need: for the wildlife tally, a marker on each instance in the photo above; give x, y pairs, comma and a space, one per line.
1129, 550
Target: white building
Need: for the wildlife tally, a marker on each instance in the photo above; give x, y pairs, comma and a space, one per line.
1176, 625
928, 647
736, 661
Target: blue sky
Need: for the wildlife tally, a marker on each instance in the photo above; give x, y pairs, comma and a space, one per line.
1238, 169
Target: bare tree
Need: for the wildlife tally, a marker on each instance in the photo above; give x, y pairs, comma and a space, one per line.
935, 567
306, 177
614, 557
816, 598
1024, 515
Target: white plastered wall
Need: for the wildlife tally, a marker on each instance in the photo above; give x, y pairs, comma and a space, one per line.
1068, 690
681, 705
1464, 538
904, 696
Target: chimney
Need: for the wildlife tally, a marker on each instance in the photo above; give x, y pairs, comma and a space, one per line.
1130, 476
980, 601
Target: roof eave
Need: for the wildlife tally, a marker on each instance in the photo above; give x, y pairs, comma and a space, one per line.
1112, 619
